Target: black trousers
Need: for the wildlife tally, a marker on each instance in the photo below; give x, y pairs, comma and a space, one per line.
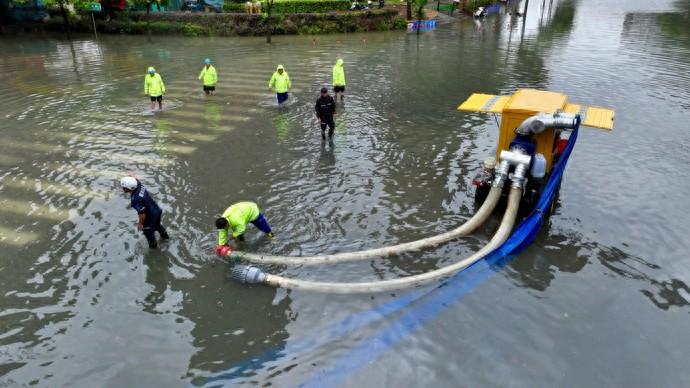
151, 226
330, 123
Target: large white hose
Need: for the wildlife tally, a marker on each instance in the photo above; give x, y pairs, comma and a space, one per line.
468, 227
501, 235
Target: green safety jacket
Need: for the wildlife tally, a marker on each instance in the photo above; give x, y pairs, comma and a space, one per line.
338, 73
238, 216
209, 76
153, 85
280, 82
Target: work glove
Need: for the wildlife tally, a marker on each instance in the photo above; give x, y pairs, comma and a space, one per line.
223, 250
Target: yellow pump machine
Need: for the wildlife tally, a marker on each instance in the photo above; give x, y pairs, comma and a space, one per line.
545, 142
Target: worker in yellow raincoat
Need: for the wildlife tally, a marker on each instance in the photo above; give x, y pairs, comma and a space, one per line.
280, 81
154, 87
339, 79
208, 77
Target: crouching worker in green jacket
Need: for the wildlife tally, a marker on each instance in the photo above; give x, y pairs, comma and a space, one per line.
154, 87
209, 77
232, 224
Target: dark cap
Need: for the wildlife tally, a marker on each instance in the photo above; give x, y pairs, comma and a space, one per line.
324, 90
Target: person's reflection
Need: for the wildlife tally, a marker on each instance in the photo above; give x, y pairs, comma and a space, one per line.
212, 116
161, 128
282, 123
158, 276
327, 156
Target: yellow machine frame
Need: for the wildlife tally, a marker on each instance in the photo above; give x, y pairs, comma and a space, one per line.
525, 103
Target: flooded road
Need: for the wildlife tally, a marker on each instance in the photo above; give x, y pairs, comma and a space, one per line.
601, 298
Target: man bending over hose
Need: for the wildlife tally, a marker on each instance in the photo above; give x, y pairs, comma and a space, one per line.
233, 223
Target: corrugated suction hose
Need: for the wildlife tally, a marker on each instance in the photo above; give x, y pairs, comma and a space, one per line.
503, 232
468, 227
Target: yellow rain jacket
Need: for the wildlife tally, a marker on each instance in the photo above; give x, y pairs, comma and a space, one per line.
209, 76
280, 82
153, 85
238, 216
338, 73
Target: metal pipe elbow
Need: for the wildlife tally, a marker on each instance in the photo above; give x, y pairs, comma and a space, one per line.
538, 123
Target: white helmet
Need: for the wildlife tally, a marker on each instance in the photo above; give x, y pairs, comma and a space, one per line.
128, 183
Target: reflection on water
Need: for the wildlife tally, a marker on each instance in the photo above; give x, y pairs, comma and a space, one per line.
606, 283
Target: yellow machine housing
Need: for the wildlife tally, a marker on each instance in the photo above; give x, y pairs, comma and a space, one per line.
525, 103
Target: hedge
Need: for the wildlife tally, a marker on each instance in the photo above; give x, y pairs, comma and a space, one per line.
306, 6
231, 24
233, 7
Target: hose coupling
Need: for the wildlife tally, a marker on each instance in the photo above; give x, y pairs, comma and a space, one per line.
248, 274
519, 176
501, 173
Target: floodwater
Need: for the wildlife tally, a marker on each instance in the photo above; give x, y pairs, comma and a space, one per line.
601, 298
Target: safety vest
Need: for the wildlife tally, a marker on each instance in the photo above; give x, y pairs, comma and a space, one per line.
280, 82
209, 76
238, 216
338, 74
153, 85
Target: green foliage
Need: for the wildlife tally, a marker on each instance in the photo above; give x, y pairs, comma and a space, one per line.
80, 5
229, 25
306, 6
393, 24
189, 29
143, 4
233, 7
419, 8
472, 5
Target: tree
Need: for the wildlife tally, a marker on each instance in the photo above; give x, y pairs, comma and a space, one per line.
65, 16
419, 12
269, 25
409, 10
4, 18
148, 4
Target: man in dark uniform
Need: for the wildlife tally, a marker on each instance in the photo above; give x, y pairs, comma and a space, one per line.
148, 210
325, 112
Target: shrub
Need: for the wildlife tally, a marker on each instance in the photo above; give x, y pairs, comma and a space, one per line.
306, 6
189, 29
233, 7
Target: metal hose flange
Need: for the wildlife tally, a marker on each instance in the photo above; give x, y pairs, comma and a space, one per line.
499, 237
468, 227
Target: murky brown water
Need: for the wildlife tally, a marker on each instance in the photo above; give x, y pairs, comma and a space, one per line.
600, 298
